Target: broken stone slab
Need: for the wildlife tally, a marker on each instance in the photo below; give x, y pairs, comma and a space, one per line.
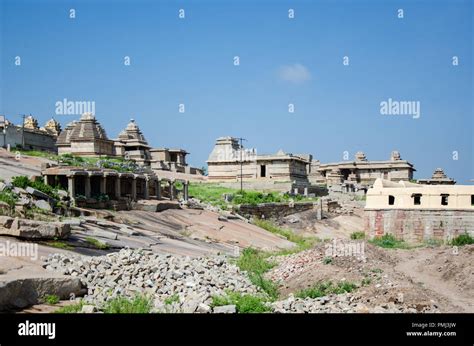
2, 186
88, 309
43, 205
225, 309
38, 193
4, 206
23, 201
18, 293
19, 191
32, 229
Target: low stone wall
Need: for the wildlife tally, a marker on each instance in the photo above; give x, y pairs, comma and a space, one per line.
274, 210
419, 225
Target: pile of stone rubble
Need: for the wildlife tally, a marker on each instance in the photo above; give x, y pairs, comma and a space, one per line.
175, 283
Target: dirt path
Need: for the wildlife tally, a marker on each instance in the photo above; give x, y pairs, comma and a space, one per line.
447, 274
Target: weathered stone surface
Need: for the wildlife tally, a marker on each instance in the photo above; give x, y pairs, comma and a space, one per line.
88, 309
32, 229
18, 293
43, 205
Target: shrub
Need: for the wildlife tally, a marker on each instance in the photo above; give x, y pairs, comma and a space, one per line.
172, 299
123, 305
327, 260
462, 239
358, 235
388, 241
23, 182
51, 299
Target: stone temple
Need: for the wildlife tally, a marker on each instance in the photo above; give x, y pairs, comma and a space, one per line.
85, 137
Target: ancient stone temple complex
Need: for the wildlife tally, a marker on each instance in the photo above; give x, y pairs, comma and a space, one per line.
224, 164
87, 137
361, 171
29, 135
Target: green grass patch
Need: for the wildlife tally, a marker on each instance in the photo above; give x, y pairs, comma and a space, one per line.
122, 305
388, 241
325, 288
462, 239
172, 299
59, 244
303, 243
8, 197
51, 299
256, 264
244, 303
97, 244
213, 194
70, 309
327, 260
357, 235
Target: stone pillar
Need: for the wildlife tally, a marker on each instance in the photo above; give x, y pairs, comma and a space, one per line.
134, 189
158, 188
146, 193
71, 188
87, 187
306, 191
185, 188
171, 182
117, 188
45, 179
103, 186
319, 210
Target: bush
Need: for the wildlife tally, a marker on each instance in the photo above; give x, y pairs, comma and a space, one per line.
51, 299
97, 244
358, 235
122, 305
388, 241
462, 239
172, 299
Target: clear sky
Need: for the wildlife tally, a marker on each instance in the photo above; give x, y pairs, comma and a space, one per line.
282, 61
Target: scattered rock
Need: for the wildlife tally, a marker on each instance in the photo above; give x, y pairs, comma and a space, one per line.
225, 309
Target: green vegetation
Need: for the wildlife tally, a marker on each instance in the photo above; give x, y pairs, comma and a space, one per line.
36, 153
327, 260
97, 244
366, 281
213, 194
172, 299
463, 239
377, 270
23, 182
244, 303
326, 288
123, 305
256, 264
358, 235
388, 241
60, 244
303, 243
433, 242
8, 197
70, 309
51, 299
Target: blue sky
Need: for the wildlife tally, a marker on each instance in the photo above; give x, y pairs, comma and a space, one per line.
282, 61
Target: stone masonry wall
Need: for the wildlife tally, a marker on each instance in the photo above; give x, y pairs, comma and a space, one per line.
419, 225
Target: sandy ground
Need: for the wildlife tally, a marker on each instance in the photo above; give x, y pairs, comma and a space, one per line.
424, 276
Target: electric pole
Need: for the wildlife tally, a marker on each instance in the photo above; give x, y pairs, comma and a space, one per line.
23, 116
241, 165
